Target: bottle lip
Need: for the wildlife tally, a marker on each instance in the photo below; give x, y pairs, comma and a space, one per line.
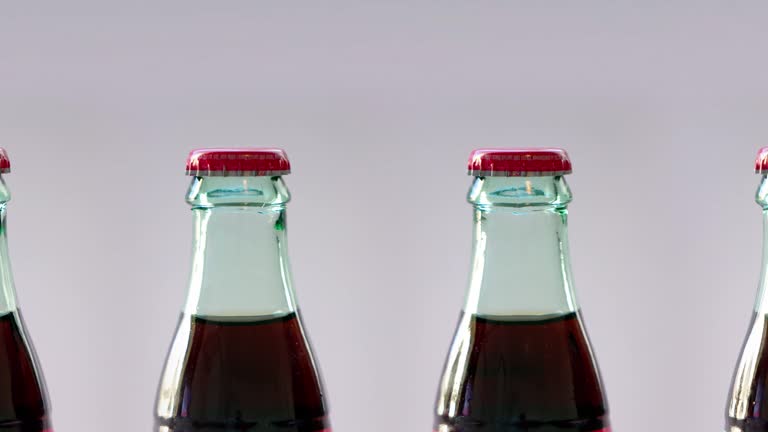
761, 162
5, 162
253, 161
519, 162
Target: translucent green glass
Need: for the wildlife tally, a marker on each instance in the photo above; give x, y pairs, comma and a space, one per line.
761, 305
520, 263
240, 264
240, 359
24, 402
7, 289
747, 409
520, 358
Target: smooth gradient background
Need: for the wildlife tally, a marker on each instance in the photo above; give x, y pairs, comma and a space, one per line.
662, 106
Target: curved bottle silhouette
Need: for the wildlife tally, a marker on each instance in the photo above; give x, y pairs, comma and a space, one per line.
747, 409
24, 405
240, 360
520, 359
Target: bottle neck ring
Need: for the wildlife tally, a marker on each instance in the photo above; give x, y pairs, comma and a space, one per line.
523, 193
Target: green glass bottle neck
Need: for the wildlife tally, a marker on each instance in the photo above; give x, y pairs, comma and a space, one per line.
761, 305
240, 261
521, 264
7, 290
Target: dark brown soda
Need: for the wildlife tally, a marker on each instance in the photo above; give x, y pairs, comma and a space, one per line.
23, 399
248, 375
757, 416
528, 375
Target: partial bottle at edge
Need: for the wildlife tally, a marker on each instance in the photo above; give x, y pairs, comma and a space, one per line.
747, 409
240, 360
520, 359
24, 403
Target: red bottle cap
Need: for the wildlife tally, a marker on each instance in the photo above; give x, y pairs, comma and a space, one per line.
238, 162
761, 163
513, 162
5, 162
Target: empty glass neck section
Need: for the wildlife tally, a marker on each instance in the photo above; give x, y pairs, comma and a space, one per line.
520, 263
240, 262
7, 290
761, 305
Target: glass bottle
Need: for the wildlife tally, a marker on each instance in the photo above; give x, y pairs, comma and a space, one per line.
520, 359
24, 402
747, 409
240, 360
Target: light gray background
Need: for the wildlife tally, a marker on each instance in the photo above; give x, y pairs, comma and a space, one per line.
662, 106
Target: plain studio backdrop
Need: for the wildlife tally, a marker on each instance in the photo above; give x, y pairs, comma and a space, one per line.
661, 105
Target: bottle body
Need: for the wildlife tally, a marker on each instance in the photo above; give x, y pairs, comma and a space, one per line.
747, 407
24, 402
240, 359
521, 359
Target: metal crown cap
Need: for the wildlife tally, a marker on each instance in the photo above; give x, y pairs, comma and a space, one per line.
513, 162
238, 162
761, 162
5, 162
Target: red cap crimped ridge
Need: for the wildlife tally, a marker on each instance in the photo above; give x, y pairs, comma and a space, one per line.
761, 163
511, 162
238, 162
5, 162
